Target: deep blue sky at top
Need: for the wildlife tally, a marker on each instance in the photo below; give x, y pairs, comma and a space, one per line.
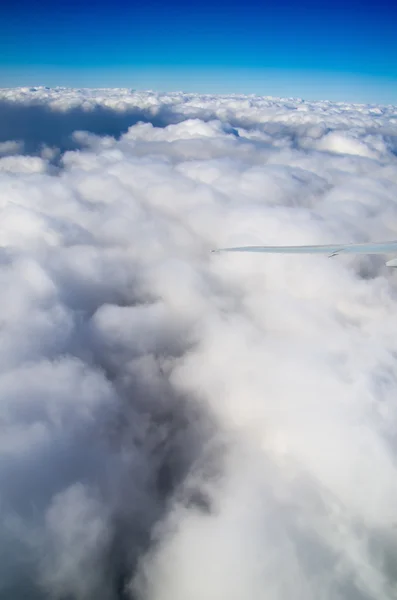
315, 49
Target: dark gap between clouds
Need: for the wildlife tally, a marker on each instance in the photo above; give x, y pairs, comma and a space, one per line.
37, 125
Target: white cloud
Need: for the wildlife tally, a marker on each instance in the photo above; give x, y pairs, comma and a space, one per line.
10, 147
181, 424
18, 164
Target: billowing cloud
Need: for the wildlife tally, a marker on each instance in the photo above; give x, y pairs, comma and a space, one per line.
182, 425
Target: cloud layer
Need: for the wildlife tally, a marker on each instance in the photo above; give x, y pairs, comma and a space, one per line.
182, 425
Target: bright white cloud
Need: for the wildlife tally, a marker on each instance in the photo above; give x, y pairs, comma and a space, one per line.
178, 424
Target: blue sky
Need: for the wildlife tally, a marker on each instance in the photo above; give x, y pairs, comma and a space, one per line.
311, 49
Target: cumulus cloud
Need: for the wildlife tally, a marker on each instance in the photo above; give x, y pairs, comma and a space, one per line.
182, 425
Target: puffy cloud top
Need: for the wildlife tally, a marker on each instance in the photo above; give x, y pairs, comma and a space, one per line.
182, 425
